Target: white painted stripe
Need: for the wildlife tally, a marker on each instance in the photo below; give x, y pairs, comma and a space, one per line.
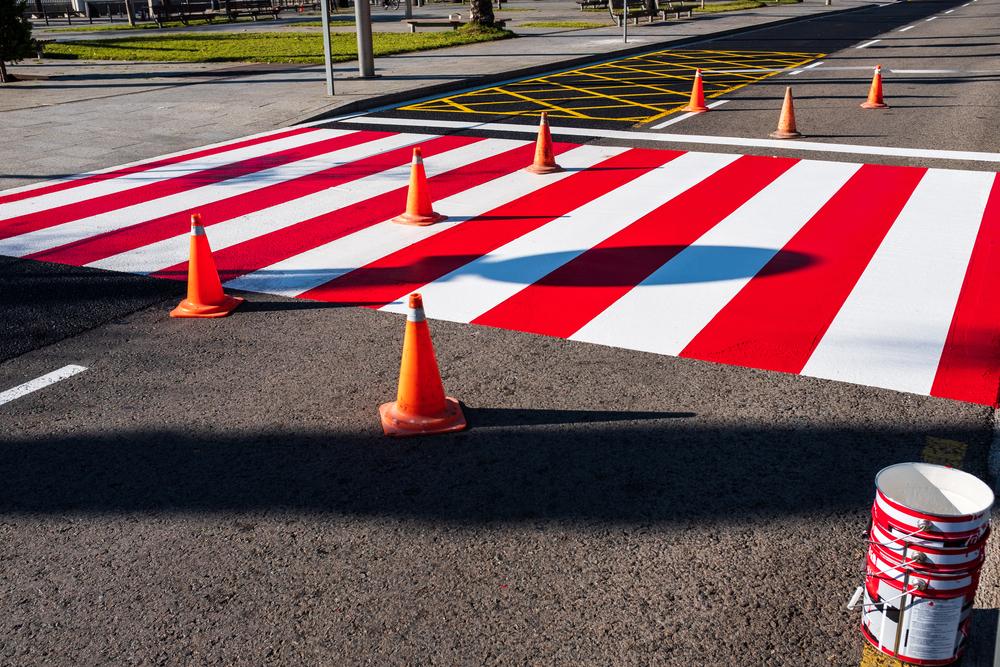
800, 71
685, 116
312, 268
242, 229
949, 11
128, 181
926, 153
669, 308
187, 151
867, 44
159, 255
891, 330
40, 383
185, 200
933, 18
909, 27
489, 280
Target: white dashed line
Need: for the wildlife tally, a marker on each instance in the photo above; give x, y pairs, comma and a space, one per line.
800, 71
909, 27
949, 11
933, 18
686, 115
40, 383
866, 44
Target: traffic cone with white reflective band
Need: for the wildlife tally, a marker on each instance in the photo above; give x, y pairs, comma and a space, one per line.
697, 102
545, 159
205, 297
419, 210
420, 408
786, 122
875, 100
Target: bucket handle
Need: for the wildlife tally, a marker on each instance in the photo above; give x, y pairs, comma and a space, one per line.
855, 602
922, 527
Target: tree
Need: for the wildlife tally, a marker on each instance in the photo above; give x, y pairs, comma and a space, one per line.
480, 12
15, 35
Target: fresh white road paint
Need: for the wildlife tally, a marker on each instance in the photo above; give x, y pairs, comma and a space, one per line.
867, 44
800, 71
816, 146
687, 115
40, 383
909, 27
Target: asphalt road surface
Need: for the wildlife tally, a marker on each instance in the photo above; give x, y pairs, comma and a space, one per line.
219, 492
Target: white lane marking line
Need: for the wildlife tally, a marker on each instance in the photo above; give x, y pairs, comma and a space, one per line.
891, 330
161, 254
685, 116
909, 27
40, 383
933, 18
491, 279
949, 11
664, 312
175, 170
315, 267
630, 135
867, 44
800, 71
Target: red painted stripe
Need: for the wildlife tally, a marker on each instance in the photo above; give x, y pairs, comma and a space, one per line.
31, 222
969, 369
146, 166
121, 240
394, 275
575, 293
281, 244
778, 318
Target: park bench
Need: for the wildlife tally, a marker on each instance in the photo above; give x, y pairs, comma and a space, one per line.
636, 10
252, 8
47, 10
586, 4
455, 24
184, 12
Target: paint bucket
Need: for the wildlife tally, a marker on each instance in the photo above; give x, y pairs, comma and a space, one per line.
926, 549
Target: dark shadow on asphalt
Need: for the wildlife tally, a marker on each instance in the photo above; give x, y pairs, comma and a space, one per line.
605, 267
517, 464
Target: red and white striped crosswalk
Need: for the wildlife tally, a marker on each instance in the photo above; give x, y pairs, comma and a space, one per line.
871, 274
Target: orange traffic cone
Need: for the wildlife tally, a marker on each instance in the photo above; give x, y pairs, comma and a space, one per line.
545, 159
875, 100
697, 103
421, 407
205, 297
419, 210
786, 122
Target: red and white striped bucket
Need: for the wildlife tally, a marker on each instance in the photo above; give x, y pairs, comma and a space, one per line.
926, 549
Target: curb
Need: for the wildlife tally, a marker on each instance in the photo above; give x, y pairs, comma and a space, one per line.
512, 75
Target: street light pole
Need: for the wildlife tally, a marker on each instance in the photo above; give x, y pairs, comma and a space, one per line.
327, 55
363, 23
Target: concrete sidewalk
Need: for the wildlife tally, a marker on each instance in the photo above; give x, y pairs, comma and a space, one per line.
72, 117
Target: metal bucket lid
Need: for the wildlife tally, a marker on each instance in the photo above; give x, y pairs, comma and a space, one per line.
935, 490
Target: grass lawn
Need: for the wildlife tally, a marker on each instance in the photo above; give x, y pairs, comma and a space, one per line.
292, 47
716, 7
574, 25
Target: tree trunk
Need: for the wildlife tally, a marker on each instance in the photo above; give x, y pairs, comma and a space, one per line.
130, 12
3, 72
481, 12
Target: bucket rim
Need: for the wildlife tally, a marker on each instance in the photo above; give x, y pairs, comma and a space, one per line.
973, 482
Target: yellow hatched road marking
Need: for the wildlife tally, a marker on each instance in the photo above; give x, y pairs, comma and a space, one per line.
644, 84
